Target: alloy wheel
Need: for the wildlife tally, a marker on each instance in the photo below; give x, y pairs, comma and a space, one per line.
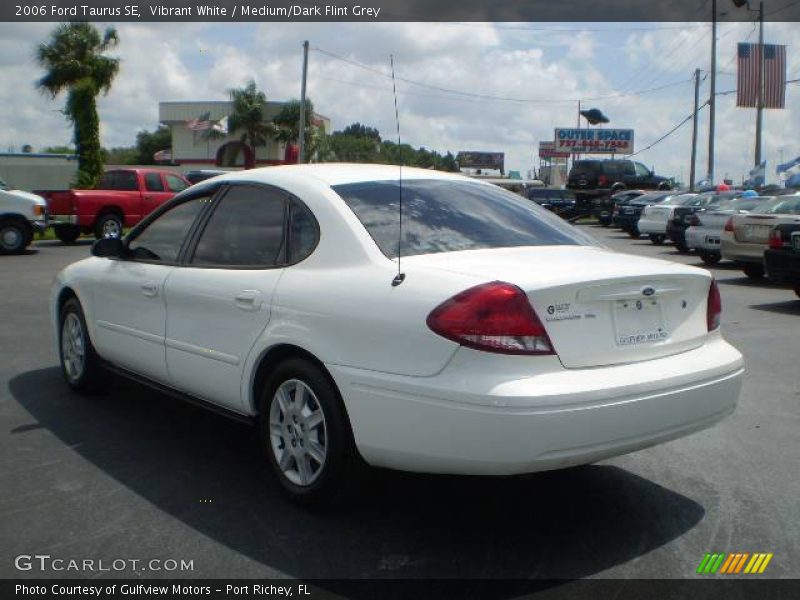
298, 435
73, 347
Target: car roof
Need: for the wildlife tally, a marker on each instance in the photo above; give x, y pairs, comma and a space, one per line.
332, 174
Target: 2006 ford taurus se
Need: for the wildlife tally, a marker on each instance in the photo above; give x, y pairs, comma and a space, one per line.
485, 336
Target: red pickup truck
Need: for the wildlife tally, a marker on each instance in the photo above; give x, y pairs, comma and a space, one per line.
123, 198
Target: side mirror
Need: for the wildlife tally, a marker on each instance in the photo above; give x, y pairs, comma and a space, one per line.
108, 248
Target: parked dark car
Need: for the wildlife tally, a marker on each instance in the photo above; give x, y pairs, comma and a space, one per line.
682, 216
558, 201
782, 258
626, 214
605, 205
592, 178
202, 174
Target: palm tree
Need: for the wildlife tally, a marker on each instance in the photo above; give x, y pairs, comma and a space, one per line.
74, 61
287, 122
249, 104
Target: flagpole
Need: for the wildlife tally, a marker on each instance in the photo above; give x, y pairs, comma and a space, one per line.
760, 101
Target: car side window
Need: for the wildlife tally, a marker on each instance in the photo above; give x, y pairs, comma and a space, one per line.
247, 229
641, 170
153, 182
176, 184
303, 232
162, 239
125, 181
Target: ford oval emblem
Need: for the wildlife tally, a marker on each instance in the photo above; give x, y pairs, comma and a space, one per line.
648, 291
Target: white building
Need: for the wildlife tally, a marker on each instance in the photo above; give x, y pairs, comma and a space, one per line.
198, 149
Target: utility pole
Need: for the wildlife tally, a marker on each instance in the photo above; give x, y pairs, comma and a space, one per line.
302, 127
692, 171
760, 101
712, 98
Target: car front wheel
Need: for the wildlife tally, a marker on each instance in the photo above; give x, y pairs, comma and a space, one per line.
657, 238
306, 433
710, 258
13, 237
79, 363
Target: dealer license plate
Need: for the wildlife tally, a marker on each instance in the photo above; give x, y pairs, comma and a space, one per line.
756, 232
639, 322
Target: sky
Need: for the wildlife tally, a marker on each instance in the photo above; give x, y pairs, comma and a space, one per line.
516, 83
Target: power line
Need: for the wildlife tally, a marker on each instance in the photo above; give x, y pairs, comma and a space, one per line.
491, 97
673, 130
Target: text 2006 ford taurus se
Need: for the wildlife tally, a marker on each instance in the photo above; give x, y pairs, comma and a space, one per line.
507, 342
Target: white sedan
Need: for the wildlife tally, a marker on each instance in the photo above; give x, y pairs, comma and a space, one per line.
486, 336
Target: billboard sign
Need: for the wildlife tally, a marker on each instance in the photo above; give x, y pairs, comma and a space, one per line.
481, 160
594, 141
547, 150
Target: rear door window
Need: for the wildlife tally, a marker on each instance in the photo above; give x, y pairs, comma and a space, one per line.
153, 182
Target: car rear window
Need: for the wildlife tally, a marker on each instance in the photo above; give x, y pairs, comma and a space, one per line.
448, 216
782, 205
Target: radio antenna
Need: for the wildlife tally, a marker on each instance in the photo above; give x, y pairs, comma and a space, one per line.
400, 277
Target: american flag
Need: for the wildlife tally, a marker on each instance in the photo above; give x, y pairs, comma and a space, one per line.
201, 123
774, 75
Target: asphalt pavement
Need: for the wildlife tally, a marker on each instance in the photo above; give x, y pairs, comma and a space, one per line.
134, 475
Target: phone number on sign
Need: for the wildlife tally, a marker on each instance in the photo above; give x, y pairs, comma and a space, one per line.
593, 144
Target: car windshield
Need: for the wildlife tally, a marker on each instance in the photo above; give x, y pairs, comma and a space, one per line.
681, 200
784, 205
448, 216
744, 203
648, 199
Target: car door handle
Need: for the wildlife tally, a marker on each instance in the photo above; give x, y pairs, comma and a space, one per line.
248, 300
150, 288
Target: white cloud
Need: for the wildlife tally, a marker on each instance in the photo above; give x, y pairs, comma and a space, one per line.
203, 61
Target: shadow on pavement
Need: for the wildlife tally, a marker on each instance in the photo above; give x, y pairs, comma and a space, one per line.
566, 524
791, 307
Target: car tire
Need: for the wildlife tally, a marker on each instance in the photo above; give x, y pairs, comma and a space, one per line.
682, 248
305, 431
797, 292
67, 234
108, 225
657, 238
14, 236
634, 233
753, 271
664, 186
80, 365
710, 258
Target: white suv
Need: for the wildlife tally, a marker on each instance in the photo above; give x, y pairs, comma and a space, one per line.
21, 215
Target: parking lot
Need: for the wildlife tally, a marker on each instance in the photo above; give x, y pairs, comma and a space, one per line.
135, 475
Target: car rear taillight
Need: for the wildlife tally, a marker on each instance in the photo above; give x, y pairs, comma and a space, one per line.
602, 180
495, 317
714, 311
776, 239
729, 225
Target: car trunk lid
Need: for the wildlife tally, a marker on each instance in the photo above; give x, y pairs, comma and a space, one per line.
598, 307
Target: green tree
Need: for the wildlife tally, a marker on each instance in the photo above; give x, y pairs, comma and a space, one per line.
360, 131
74, 61
248, 114
287, 123
150, 142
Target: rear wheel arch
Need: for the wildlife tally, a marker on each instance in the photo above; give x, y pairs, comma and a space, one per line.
268, 362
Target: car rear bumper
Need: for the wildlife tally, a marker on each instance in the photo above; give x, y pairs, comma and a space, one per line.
465, 422
699, 239
782, 266
647, 227
743, 252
